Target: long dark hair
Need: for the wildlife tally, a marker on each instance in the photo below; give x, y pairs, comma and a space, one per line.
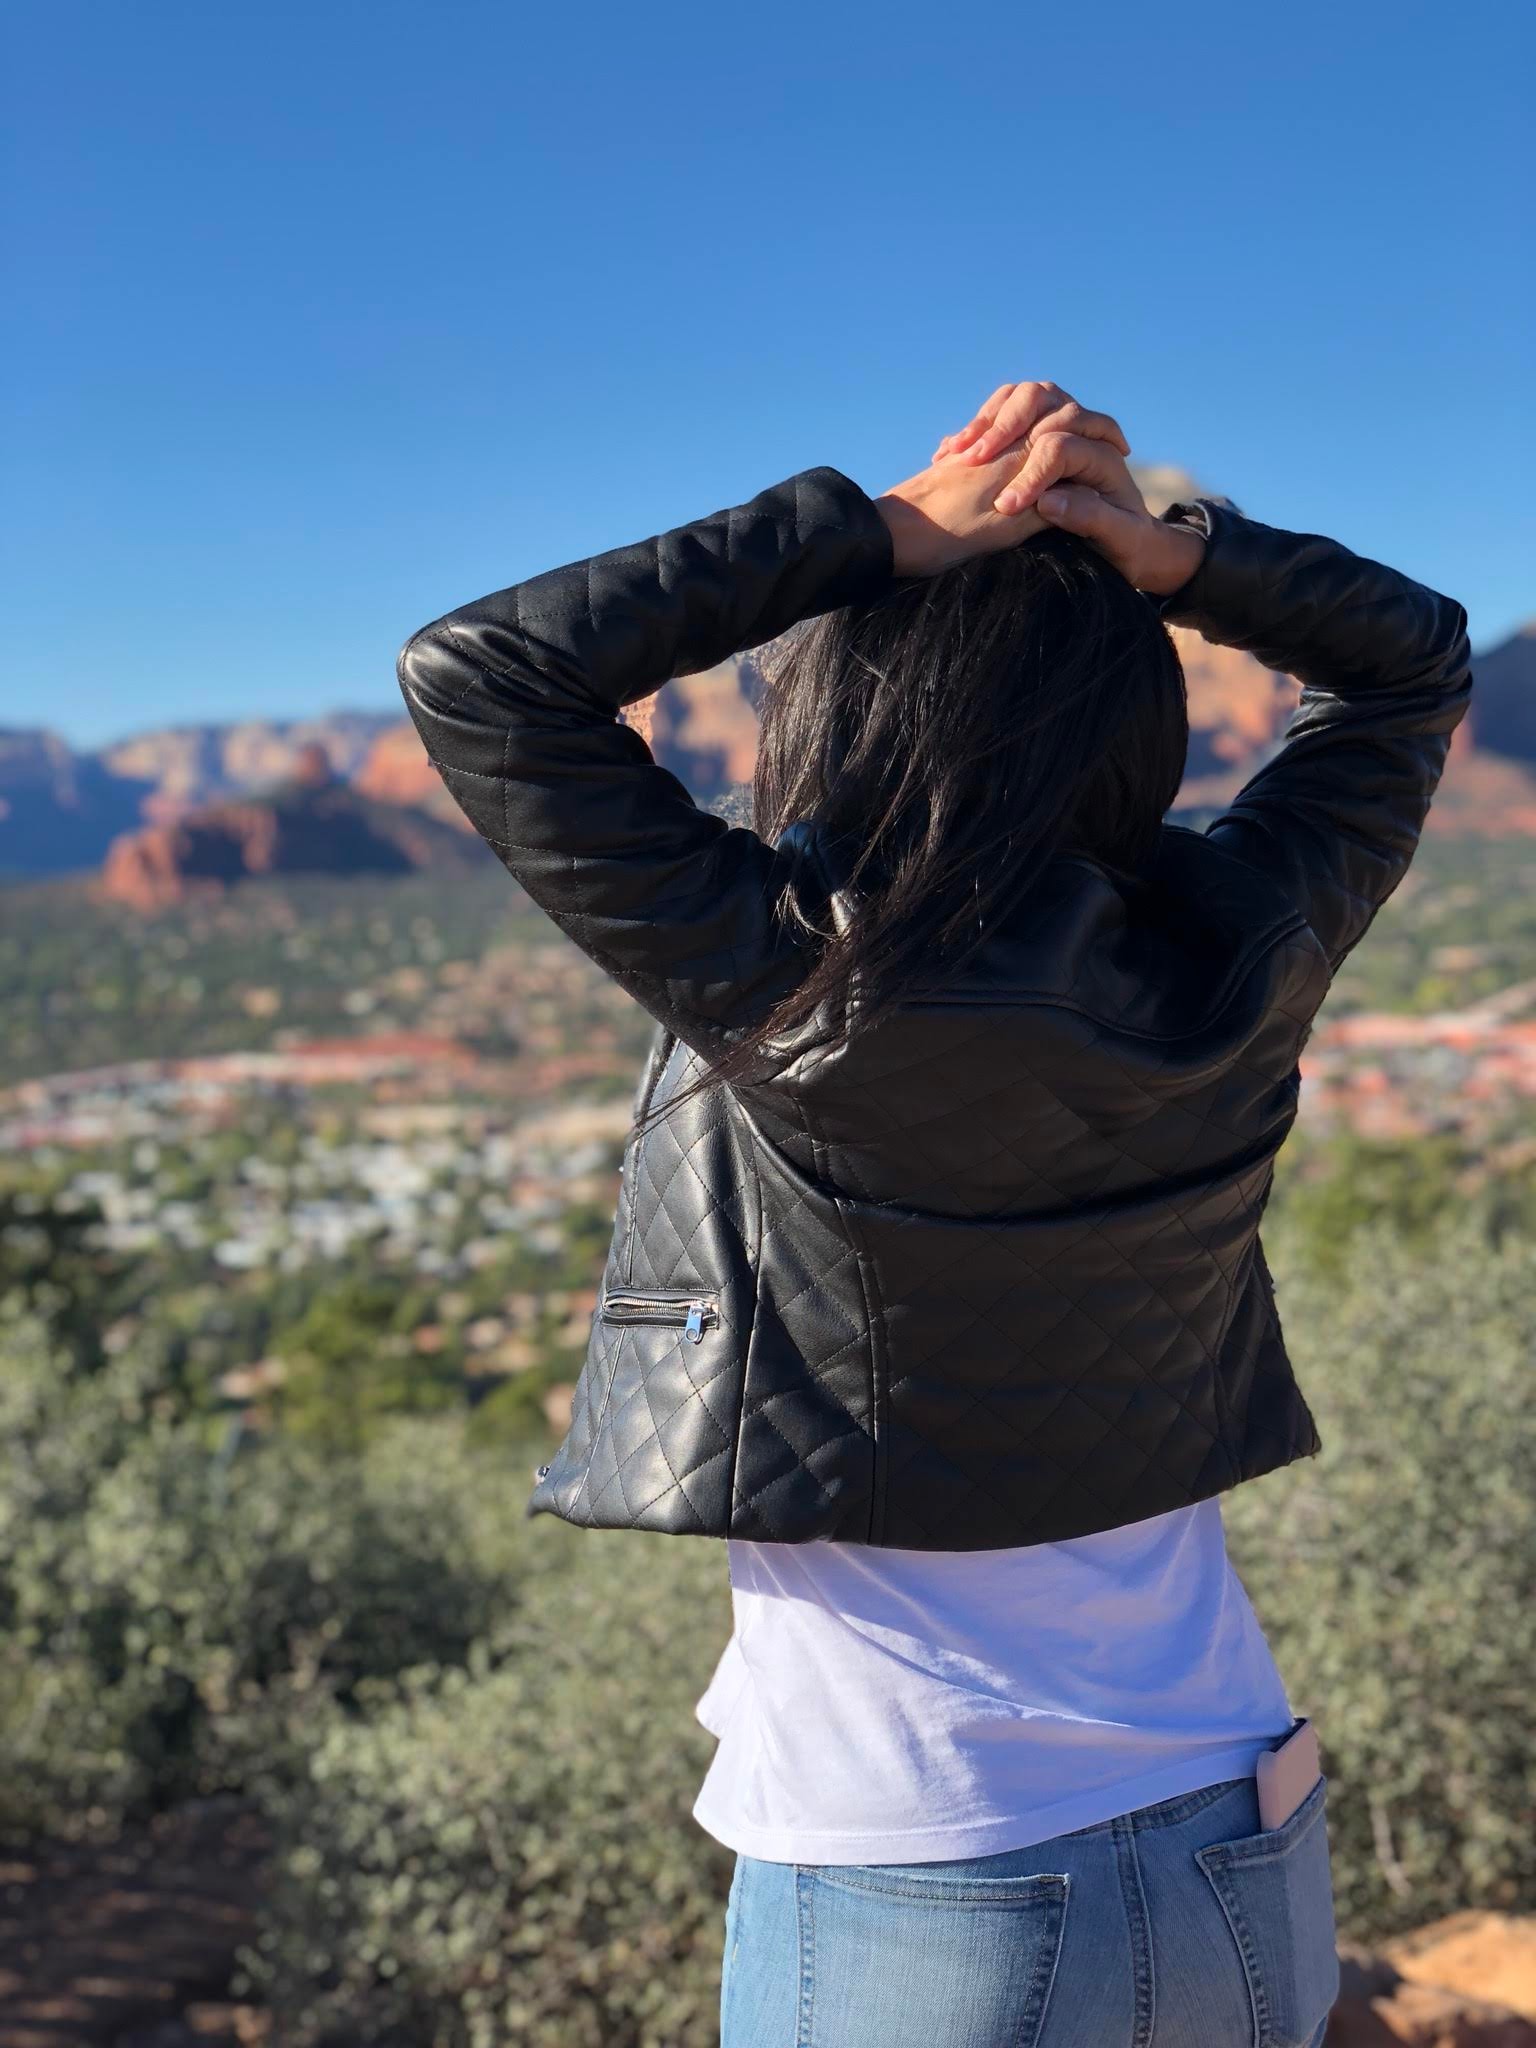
952, 736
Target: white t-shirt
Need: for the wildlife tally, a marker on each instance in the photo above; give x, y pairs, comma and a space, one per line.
907, 1706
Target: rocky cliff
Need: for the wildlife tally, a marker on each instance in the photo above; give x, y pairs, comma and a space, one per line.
189, 765
61, 809
58, 809
312, 823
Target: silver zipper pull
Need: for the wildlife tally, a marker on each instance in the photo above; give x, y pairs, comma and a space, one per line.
693, 1329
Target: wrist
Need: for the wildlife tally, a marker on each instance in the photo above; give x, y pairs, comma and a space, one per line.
904, 523
921, 543
1177, 556
944, 515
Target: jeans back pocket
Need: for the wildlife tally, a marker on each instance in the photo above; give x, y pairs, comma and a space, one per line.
1276, 1890
894, 1957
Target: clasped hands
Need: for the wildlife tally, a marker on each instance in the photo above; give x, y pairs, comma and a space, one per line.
1029, 459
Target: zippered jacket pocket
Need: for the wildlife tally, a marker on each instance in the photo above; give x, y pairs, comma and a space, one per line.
684, 1308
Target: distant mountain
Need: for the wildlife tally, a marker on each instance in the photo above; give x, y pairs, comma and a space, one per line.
396, 771
1238, 711
312, 823
1482, 794
194, 764
1503, 713
60, 809
703, 727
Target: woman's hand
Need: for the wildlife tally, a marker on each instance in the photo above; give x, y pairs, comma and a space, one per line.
953, 509
1066, 468
946, 513
1016, 411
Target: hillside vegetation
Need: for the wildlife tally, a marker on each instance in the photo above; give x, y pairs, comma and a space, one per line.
278, 1353
471, 1733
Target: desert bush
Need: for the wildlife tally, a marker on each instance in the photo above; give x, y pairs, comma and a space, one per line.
506, 1853
156, 1597
350, 1365
473, 1733
1331, 1185
1396, 1572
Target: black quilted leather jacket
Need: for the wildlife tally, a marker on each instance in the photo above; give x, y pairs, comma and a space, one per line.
992, 1275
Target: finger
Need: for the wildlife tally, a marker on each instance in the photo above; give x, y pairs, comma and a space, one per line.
1019, 414
982, 418
1078, 508
1073, 418
1045, 408
1059, 458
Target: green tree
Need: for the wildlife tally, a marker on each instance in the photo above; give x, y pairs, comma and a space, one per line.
1396, 1571
52, 1265
349, 1364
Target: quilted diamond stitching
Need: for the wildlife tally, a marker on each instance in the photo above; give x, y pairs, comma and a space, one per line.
1154, 1365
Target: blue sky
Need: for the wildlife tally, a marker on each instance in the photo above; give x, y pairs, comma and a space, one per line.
329, 317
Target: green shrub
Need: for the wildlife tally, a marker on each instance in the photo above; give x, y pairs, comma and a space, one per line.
350, 1365
155, 1597
473, 1732
1329, 1188
1396, 1572
507, 1854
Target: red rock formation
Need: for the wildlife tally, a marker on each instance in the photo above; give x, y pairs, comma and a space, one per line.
1492, 1955
1482, 795
397, 771
169, 863
312, 768
704, 728
1237, 710
314, 826
1465, 1982
59, 809
188, 766
142, 870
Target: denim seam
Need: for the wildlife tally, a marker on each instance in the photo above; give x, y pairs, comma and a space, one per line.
1257, 2001
733, 1914
938, 1891
1270, 1843
805, 1928
1165, 1813
1168, 1813
1140, 1932
1047, 1962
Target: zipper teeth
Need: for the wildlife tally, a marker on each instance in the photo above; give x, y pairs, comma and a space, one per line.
663, 1304
661, 1297
686, 1311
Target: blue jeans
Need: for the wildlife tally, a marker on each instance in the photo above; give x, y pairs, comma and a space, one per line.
1182, 1925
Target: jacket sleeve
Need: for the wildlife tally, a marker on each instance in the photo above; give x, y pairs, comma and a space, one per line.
1385, 671
516, 697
